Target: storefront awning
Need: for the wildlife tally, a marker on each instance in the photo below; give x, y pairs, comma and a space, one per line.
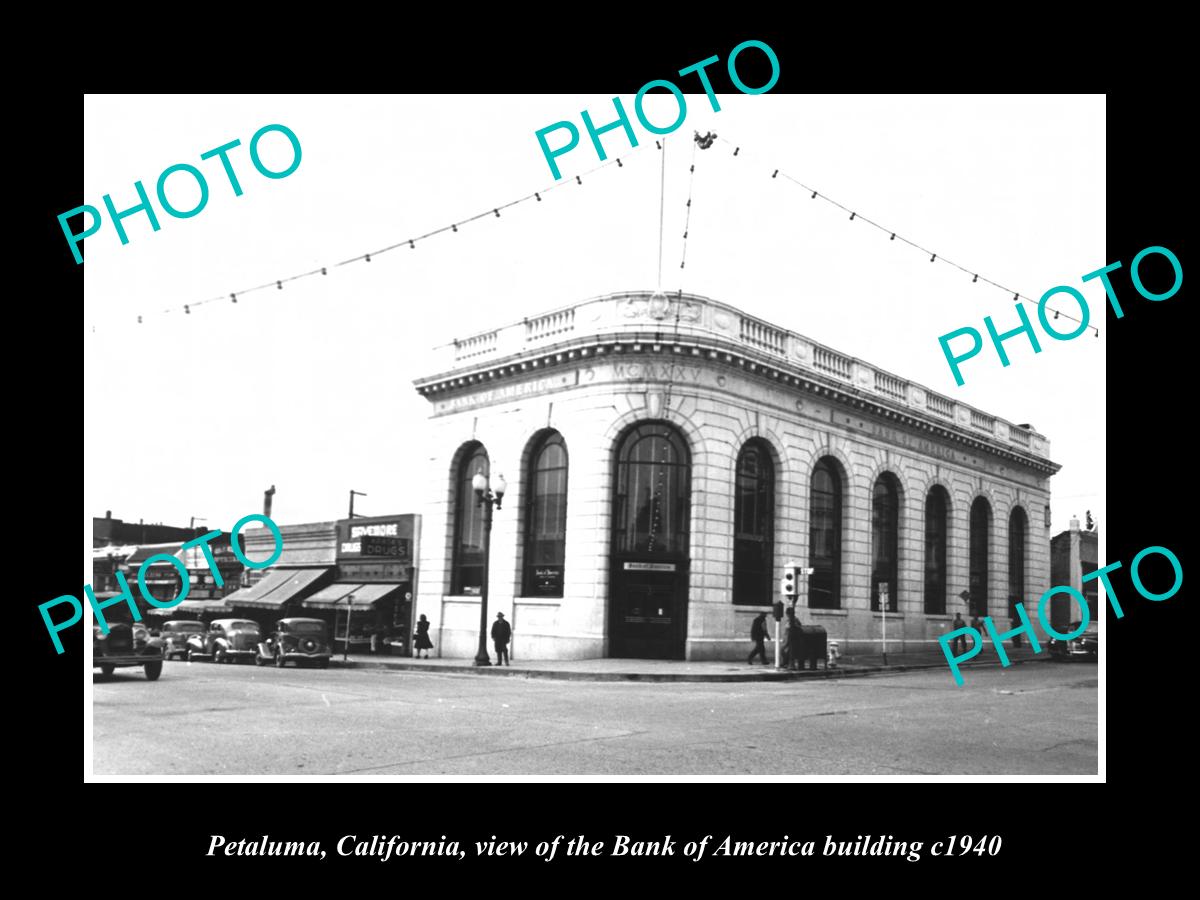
337, 596
145, 551
278, 587
190, 608
117, 552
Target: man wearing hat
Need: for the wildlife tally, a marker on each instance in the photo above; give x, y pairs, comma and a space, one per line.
501, 632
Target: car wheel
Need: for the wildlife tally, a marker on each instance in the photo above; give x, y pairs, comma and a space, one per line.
279, 659
258, 659
107, 671
191, 656
219, 654
153, 670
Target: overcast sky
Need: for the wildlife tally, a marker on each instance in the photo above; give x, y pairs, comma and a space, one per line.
310, 388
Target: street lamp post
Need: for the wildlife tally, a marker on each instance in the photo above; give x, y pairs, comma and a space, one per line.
487, 496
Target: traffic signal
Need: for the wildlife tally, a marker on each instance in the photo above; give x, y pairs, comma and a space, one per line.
787, 585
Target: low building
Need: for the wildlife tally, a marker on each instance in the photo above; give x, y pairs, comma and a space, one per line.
356, 574
1073, 554
668, 456
109, 531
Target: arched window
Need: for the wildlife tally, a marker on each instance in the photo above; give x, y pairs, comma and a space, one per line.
546, 518
653, 477
885, 541
1018, 526
981, 524
753, 518
825, 537
466, 575
937, 506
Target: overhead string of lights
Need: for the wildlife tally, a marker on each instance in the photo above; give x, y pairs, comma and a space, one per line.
855, 216
411, 243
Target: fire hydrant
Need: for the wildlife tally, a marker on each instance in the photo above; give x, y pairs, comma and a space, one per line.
832, 652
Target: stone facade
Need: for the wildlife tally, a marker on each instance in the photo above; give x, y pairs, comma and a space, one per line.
721, 378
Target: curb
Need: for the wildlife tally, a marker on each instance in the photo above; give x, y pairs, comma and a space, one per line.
562, 675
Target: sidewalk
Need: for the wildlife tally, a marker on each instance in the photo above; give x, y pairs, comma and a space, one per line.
676, 670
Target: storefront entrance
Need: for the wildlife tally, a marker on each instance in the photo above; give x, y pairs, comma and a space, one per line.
648, 606
649, 579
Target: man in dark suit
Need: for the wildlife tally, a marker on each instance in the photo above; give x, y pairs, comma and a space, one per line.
758, 634
959, 644
501, 633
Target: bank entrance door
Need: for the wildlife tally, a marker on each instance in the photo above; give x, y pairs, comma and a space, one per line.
649, 610
649, 579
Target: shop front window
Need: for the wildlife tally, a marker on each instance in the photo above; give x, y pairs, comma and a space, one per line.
653, 474
467, 569
981, 525
754, 513
546, 518
885, 541
825, 536
1017, 529
936, 508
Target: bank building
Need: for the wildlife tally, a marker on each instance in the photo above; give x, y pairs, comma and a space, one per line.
666, 455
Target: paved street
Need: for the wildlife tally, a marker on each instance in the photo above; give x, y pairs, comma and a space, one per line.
242, 720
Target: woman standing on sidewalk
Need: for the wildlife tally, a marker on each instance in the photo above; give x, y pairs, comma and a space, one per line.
422, 641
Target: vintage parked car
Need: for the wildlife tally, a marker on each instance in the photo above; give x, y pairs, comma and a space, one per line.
127, 643
226, 640
299, 640
175, 636
1086, 645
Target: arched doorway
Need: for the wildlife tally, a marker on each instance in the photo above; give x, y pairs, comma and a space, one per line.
648, 583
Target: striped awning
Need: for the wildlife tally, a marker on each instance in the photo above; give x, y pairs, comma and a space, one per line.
278, 587
339, 594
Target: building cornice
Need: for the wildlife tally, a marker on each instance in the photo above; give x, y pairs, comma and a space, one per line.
708, 334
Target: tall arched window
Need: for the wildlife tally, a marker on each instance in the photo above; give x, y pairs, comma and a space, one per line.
937, 506
546, 518
466, 575
1018, 526
981, 524
825, 536
653, 477
753, 518
885, 540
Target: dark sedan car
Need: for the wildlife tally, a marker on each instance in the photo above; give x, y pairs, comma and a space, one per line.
175, 636
127, 643
298, 640
227, 640
1085, 646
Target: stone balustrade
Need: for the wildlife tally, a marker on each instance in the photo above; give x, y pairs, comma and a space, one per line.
661, 317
